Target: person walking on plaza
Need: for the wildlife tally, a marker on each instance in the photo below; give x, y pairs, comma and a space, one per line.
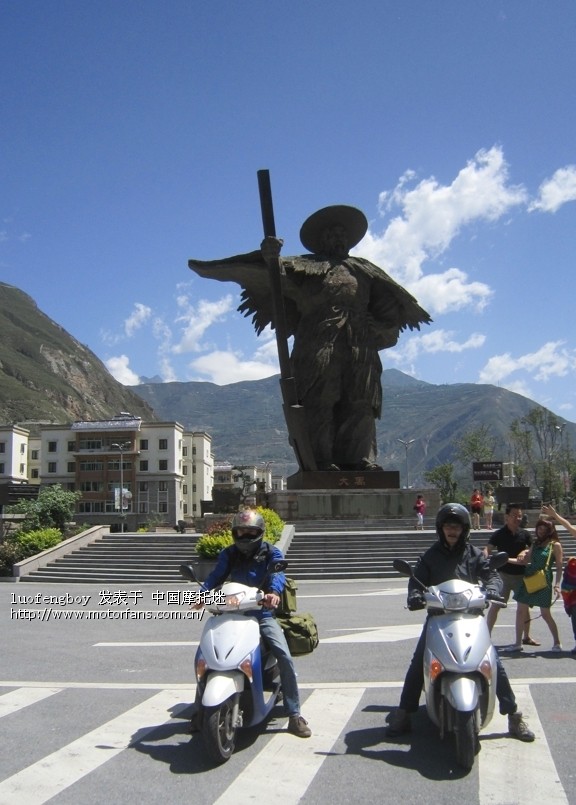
568, 592
451, 556
546, 547
477, 508
515, 541
420, 509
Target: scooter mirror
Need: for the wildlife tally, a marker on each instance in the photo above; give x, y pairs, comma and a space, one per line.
402, 567
188, 572
497, 560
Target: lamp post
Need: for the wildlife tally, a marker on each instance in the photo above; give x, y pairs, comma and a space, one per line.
406, 446
121, 447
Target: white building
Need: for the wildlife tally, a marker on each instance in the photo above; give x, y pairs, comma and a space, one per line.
13, 454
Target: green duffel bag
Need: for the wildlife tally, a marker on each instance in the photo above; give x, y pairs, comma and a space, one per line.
300, 631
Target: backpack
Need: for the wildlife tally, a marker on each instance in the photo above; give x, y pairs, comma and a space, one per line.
300, 631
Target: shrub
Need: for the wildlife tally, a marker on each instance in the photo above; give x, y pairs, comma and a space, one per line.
22, 545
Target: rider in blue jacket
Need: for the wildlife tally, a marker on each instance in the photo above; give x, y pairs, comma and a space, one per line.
246, 562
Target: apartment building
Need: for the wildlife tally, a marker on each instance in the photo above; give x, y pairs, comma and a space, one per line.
13, 454
127, 470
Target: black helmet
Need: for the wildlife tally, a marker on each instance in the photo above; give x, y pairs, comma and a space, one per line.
248, 543
453, 513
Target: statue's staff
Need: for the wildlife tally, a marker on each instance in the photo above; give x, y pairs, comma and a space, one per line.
293, 411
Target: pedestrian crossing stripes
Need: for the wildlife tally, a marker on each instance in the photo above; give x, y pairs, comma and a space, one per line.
280, 768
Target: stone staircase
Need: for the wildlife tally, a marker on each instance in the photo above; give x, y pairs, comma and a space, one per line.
319, 550
122, 558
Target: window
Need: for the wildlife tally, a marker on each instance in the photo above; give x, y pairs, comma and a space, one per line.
193, 451
162, 444
91, 466
162, 486
163, 507
143, 466
2, 447
163, 464
22, 449
143, 508
52, 466
34, 455
52, 446
184, 451
1, 469
142, 486
71, 466
185, 489
21, 469
185, 469
143, 444
71, 447
35, 474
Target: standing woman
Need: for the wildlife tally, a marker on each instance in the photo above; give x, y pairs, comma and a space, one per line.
476, 507
489, 503
545, 551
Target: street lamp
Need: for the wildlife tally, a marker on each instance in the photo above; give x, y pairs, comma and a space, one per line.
121, 448
406, 446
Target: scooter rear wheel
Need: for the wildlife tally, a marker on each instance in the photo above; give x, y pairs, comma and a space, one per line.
219, 727
466, 741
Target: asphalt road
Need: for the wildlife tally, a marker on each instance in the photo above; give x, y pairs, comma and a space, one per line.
93, 707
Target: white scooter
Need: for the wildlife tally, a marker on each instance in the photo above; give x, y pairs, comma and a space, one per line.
459, 659
238, 679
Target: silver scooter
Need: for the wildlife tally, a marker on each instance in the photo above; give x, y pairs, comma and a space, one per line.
460, 661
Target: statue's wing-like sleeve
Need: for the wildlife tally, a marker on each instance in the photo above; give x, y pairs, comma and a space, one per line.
251, 273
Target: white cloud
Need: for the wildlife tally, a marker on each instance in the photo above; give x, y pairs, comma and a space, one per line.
228, 367
437, 341
197, 320
449, 292
137, 318
558, 190
551, 360
120, 370
432, 215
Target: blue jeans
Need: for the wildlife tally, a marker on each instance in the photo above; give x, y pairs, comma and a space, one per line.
414, 683
272, 633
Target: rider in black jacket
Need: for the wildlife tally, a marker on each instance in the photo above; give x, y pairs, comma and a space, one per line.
451, 557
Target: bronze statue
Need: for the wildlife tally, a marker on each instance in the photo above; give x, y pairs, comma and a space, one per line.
341, 311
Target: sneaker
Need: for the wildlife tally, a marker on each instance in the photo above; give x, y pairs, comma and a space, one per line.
398, 722
512, 649
298, 725
518, 728
556, 648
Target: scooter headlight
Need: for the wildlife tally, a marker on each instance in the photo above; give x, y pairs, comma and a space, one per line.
201, 668
455, 601
246, 668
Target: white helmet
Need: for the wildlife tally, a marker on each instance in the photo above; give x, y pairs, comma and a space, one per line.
248, 531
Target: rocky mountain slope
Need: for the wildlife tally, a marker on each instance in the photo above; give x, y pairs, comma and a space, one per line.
48, 376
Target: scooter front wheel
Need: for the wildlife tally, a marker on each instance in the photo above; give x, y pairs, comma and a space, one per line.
466, 739
219, 727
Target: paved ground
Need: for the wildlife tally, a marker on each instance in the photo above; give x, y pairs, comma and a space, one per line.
93, 706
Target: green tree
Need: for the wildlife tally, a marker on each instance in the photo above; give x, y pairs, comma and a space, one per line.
442, 477
478, 444
537, 440
53, 508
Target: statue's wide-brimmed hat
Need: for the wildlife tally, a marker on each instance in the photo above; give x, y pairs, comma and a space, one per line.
351, 218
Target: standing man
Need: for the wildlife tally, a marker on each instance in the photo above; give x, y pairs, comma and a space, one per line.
515, 541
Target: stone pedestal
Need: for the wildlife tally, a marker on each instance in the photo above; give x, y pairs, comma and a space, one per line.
345, 480
344, 503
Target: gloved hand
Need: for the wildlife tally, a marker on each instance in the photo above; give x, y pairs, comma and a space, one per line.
491, 596
416, 600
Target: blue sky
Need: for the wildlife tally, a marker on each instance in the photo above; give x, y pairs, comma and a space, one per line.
131, 132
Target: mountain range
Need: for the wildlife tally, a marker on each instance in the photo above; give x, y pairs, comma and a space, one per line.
247, 425
47, 376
